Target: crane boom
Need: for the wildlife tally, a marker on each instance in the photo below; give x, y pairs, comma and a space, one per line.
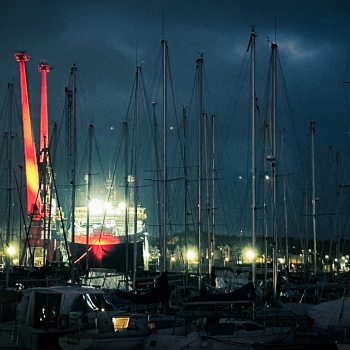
32, 177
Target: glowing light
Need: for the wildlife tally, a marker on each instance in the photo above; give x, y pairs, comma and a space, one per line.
250, 255
11, 250
97, 240
32, 176
191, 255
96, 206
121, 205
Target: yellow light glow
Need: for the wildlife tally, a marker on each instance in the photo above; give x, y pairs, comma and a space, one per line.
250, 254
190, 255
11, 250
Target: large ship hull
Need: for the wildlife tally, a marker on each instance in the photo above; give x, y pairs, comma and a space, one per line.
105, 245
107, 254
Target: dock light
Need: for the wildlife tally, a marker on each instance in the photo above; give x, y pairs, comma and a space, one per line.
96, 206
250, 255
11, 250
190, 255
121, 205
326, 257
281, 260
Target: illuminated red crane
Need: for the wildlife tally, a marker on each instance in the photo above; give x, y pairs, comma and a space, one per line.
44, 68
41, 206
31, 166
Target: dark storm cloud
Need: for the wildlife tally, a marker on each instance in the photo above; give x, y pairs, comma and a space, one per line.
108, 38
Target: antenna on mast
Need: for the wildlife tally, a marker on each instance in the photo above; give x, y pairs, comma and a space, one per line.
250, 38
162, 25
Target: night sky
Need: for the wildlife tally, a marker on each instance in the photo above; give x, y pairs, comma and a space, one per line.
107, 39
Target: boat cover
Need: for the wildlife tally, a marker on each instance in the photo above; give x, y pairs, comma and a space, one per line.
244, 294
335, 313
160, 293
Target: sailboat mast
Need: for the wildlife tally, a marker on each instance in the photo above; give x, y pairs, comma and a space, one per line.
206, 148
72, 145
127, 201
158, 176
285, 211
273, 165
252, 85
184, 116
9, 185
313, 199
135, 160
212, 241
165, 146
88, 195
200, 151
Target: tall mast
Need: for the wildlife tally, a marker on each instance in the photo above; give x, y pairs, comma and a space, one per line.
212, 242
165, 150
72, 156
273, 165
285, 211
206, 148
252, 85
158, 176
184, 116
313, 199
135, 160
126, 200
337, 250
88, 195
200, 151
9, 160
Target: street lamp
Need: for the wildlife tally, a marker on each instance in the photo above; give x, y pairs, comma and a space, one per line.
190, 255
250, 255
11, 250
